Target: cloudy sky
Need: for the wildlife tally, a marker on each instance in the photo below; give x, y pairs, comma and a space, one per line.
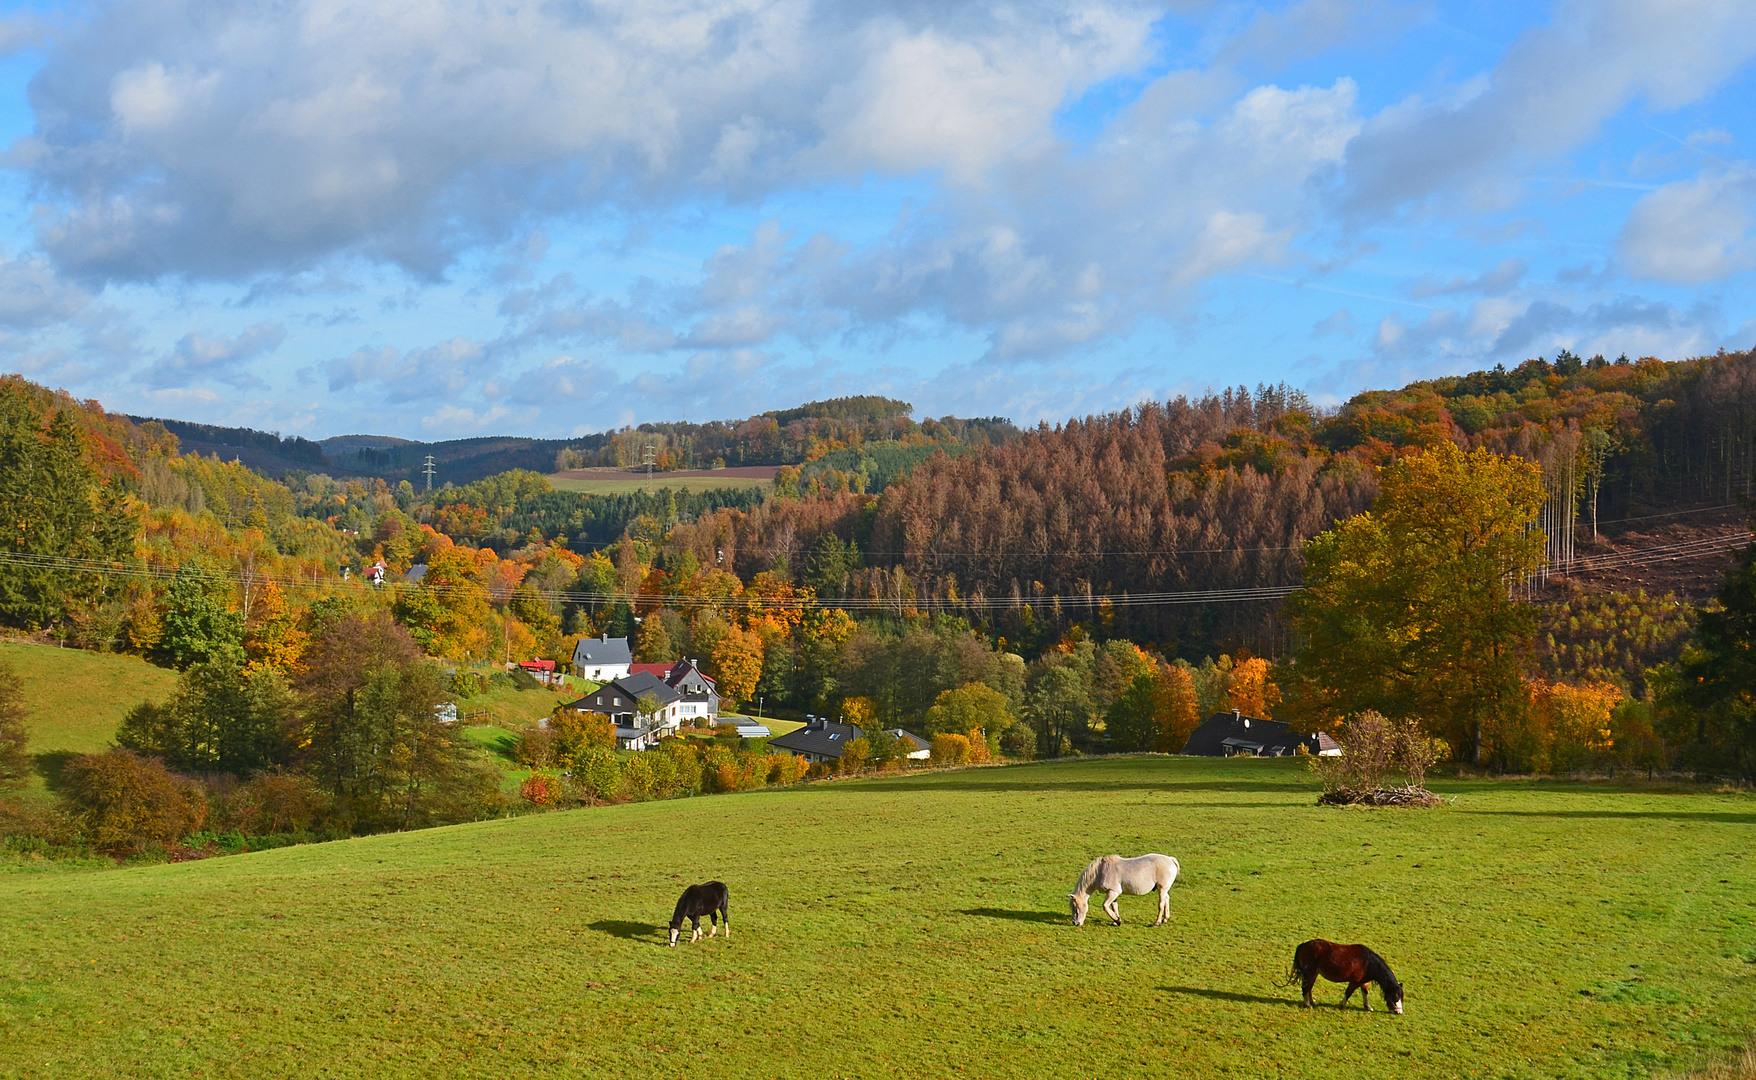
436, 220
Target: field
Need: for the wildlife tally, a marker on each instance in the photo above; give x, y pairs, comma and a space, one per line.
917, 927
622, 481
76, 698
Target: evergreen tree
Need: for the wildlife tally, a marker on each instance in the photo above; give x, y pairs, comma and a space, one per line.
1710, 703
198, 624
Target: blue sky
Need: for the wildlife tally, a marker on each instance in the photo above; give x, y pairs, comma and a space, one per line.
437, 221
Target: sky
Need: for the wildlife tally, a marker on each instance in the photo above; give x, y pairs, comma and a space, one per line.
440, 220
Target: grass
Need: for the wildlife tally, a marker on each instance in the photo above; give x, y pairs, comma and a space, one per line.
622, 486
917, 927
76, 698
515, 708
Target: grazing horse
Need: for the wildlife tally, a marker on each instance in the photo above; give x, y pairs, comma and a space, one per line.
1355, 965
1114, 875
698, 900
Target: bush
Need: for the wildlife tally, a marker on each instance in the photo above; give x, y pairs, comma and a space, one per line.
854, 755
15, 759
577, 732
468, 684
597, 774
125, 803
540, 789
951, 749
978, 748
535, 748
1372, 748
269, 803
37, 820
1019, 741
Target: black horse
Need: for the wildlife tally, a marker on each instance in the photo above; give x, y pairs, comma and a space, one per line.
698, 900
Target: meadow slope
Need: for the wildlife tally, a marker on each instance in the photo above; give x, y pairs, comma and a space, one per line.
915, 927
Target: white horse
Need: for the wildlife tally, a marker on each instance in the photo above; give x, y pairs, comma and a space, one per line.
1114, 875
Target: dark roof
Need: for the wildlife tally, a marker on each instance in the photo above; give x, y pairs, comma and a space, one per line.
629, 689
824, 738
1228, 732
915, 741
602, 652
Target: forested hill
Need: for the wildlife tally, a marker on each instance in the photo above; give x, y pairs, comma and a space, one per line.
792, 436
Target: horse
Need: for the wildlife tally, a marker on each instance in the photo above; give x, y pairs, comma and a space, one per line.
698, 900
1355, 965
1114, 875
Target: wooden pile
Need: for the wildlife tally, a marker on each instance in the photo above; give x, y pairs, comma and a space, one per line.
1400, 796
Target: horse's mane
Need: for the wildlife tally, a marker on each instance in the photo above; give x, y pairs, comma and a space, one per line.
1379, 972
1088, 879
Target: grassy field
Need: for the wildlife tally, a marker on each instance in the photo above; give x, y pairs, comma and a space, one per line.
916, 927
621, 485
77, 698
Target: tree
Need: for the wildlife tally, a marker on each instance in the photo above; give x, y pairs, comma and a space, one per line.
1176, 708
1251, 691
57, 511
1059, 709
371, 734
535, 612
199, 623
1709, 699
970, 707
1131, 722
125, 802
737, 663
221, 717
653, 644
1411, 610
15, 759
273, 639
448, 612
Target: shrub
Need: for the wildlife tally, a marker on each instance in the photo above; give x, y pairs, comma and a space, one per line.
540, 789
650, 775
854, 755
535, 748
597, 774
978, 747
1373, 747
15, 759
269, 803
37, 820
686, 765
786, 768
468, 684
951, 749
125, 803
577, 732
1019, 741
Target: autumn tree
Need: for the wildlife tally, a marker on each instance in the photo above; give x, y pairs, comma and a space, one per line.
1251, 690
737, 663
970, 707
447, 613
222, 717
273, 639
1176, 708
1411, 609
653, 644
1059, 708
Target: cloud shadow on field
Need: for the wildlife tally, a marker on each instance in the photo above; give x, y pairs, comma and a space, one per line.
632, 931
1227, 995
1017, 916
1723, 818
962, 781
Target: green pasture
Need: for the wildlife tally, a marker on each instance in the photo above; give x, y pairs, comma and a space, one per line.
76, 698
624, 484
916, 926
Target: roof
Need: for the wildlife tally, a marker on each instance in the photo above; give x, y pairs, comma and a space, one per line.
824, 738
602, 651
1230, 731
416, 573
661, 671
915, 741
537, 665
630, 689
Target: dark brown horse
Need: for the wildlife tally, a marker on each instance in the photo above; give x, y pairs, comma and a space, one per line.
1355, 965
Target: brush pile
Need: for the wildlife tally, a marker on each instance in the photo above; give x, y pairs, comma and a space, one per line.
1372, 748
1395, 796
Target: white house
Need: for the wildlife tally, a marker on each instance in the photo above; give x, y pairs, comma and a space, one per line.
602, 659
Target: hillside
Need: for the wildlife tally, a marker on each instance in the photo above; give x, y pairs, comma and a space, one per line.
76, 698
1559, 927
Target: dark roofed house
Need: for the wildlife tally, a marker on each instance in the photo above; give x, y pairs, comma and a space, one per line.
619, 699
602, 658
824, 740
1229, 734
699, 696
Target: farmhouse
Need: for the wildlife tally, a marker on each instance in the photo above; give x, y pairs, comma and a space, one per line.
620, 700
1233, 733
824, 740
602, 658
698, 697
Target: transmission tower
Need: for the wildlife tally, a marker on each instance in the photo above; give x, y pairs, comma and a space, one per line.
427, 471
647, 458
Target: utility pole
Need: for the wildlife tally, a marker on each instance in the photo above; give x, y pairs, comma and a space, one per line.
427, 471
647, 458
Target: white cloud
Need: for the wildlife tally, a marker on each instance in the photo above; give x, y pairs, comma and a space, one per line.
202, 358
32, 295
1694, 231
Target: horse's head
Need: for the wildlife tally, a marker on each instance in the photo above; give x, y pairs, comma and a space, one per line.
1077, 902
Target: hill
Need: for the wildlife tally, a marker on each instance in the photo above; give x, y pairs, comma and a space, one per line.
76, 698
915, 927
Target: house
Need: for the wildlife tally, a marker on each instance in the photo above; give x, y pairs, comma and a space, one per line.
620, 700
1231, 733
824, 740
699, 701
602, 658
541, 670
751, 729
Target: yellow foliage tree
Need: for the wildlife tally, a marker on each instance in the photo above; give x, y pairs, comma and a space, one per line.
1178, 708
737, 662
1251, 691
273, 639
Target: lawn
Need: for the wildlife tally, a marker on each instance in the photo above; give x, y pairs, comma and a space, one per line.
916, 927
76, 698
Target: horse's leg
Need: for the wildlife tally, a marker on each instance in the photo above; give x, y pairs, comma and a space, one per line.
1111, 909
1351, 987
1310, 981
1164, 905
1365, 996
713, 918
725, 916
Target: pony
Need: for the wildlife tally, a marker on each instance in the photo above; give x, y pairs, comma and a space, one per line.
1114, 875
1355, 965
711, 900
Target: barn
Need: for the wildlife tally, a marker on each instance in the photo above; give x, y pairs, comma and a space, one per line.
1228, 734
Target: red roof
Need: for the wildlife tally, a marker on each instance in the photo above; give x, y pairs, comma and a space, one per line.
537, 665
657, 671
